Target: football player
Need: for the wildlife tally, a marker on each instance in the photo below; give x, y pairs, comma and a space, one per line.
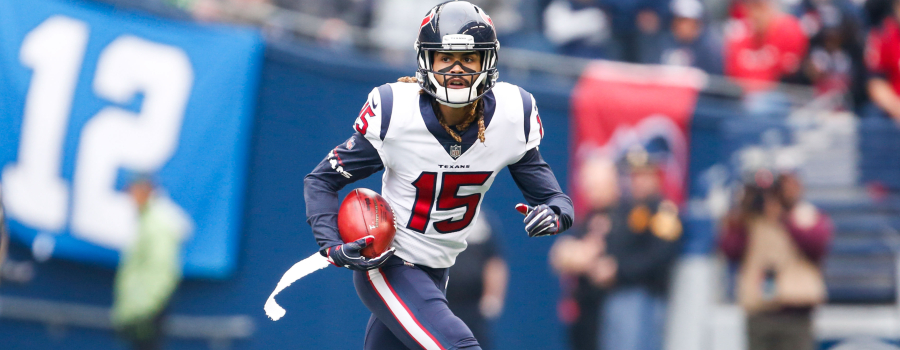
441, 139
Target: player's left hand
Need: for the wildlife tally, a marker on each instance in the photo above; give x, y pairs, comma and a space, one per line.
349, 255
540, 220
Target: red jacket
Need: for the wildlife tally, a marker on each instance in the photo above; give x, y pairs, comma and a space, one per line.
764, 56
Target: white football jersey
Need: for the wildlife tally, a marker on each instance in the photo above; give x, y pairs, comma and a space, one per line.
434, 184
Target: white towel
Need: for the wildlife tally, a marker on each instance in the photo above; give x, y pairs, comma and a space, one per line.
302, 268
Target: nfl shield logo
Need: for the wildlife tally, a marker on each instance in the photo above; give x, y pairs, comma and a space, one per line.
455, 151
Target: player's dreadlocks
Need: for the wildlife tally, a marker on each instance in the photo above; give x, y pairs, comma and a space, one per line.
476, 112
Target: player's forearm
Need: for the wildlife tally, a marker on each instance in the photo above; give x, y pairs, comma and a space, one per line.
324, 228
884, 96
563, 207
350, 161
538, 184
322, 205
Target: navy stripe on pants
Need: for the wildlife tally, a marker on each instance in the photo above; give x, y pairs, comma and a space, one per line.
409, 307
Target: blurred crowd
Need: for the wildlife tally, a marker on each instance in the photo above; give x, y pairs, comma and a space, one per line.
839, 47
778, 242
617, 263
615, 267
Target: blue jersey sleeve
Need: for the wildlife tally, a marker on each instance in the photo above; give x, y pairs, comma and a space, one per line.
350, 161
539, 186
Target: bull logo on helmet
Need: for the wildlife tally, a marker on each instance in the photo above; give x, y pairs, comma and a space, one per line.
427, 19
483, 16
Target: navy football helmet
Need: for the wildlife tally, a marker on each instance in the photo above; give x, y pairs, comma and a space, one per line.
457, 26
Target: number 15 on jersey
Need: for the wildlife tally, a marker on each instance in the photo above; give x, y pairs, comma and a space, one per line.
448, 199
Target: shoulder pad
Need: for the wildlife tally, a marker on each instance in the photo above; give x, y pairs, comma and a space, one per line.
375, 116
533, 128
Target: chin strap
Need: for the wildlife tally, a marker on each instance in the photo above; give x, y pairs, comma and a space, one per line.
454, 105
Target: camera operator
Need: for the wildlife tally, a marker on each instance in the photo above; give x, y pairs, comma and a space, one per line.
779, 242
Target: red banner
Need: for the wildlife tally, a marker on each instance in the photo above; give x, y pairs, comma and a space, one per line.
617, 107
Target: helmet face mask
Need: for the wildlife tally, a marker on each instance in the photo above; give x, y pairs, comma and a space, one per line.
457, 26
455, 97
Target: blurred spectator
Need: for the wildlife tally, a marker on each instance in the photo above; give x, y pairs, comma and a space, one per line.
577, 28
642, 246
814, 14
652, 28
504, 13
477, 291
573, 255
876, 11
150, 269
634, 23
882, 55
835, 60
336, 18
395, 26
621, 259
240, 11
779, 242
764, 47
690, 43
354, 12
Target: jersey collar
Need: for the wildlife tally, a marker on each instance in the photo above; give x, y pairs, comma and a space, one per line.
469, 137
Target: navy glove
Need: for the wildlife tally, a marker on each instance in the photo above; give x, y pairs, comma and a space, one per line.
540, 220
348, 255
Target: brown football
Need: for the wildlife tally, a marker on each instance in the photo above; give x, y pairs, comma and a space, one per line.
365, 212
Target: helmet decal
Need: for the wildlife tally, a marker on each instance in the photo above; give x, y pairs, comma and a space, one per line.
427, 19
486, 18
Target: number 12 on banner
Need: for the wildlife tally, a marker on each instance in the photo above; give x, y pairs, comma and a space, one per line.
34, 192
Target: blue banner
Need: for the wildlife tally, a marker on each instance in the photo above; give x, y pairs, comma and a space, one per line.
89, 96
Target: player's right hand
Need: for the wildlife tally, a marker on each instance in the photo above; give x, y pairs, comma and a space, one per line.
540, 220
348, 255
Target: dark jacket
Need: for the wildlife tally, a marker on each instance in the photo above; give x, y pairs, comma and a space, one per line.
645, 242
